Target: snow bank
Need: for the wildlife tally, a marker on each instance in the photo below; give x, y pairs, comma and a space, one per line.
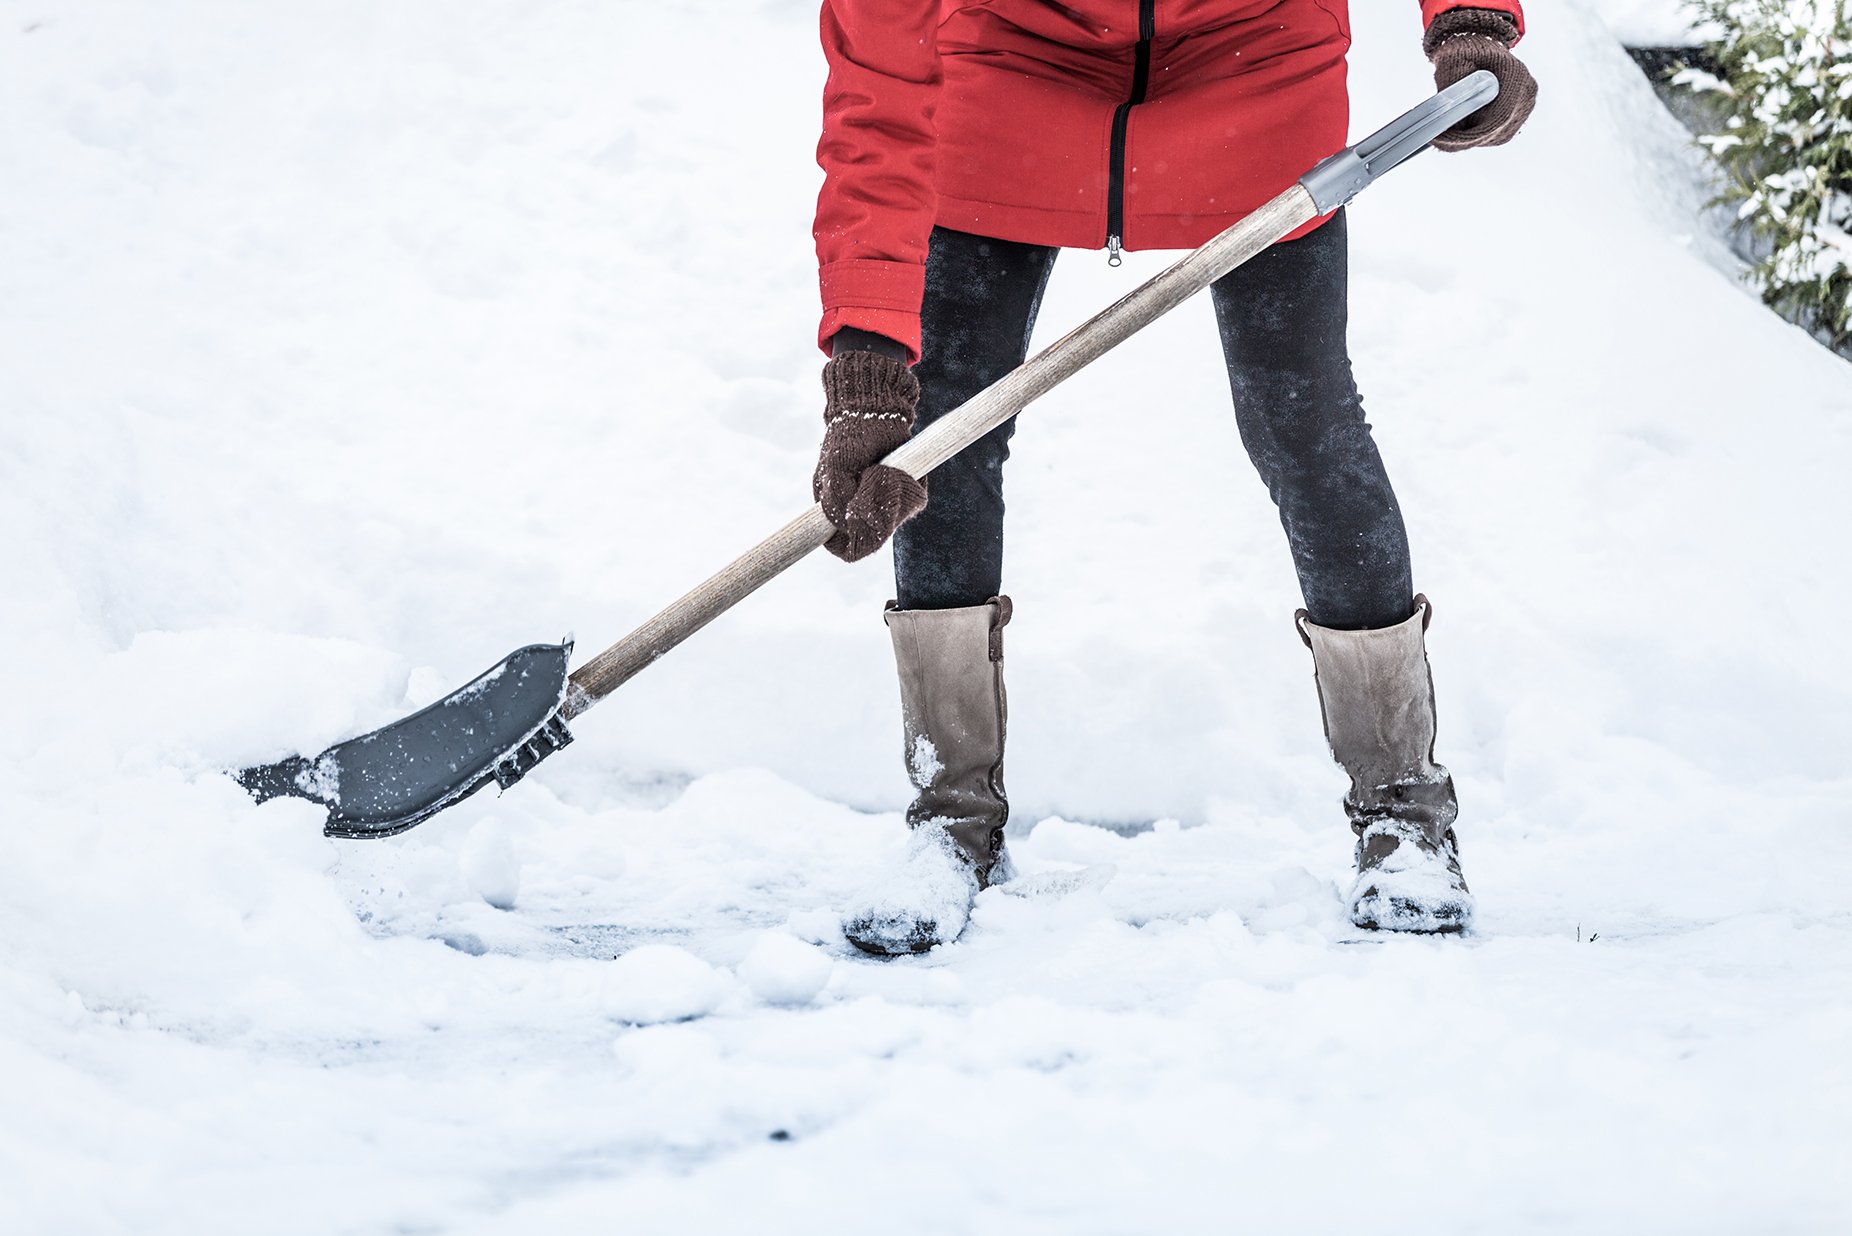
347, 347
1652, 23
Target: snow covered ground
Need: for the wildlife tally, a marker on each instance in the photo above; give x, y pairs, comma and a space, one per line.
346, 346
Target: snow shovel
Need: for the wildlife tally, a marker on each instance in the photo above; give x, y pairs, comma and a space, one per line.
500, 726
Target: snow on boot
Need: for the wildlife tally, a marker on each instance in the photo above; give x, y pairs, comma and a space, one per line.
953, 715
1378, 699
924, 903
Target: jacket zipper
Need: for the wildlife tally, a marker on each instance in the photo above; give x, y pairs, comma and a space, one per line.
1121, 117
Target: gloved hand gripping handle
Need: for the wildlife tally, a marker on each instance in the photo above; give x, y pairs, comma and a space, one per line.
1344, 175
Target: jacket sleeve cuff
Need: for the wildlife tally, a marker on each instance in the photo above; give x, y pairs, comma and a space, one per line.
873, 295
1430, 9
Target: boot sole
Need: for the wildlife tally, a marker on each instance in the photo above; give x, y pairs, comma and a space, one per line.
1449, 929
1411, 919
923, 940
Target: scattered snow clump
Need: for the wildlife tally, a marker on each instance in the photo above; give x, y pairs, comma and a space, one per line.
660, 982
781, 969
489, 865
923, 762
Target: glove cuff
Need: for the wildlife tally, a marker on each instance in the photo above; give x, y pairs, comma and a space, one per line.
869, 386
1455, 23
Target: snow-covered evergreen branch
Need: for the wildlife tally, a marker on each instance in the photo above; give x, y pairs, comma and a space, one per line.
1786, 67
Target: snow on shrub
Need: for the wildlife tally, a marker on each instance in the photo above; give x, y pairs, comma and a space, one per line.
1785, 69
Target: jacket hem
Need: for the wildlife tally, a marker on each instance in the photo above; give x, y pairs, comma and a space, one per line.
1075, 229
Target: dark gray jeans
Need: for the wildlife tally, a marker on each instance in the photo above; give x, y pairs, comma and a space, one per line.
1283, 319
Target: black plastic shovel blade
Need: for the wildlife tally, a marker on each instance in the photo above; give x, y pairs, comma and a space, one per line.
495, 729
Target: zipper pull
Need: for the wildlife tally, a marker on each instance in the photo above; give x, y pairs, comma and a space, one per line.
1112, 251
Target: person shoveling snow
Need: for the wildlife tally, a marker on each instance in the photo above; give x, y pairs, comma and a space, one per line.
937, 229
901, 287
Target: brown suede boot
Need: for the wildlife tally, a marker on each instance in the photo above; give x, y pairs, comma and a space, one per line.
953, 711
1378, 700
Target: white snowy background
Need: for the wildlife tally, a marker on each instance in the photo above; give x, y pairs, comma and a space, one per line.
345, 346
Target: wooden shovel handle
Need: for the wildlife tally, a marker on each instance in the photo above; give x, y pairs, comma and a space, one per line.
1101, 333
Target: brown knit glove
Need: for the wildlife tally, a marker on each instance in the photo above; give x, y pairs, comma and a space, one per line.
1460, 42
868, 411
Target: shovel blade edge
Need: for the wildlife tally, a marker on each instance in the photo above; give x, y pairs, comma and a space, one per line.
495, 729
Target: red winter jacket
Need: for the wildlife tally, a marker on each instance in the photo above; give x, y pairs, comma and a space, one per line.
1152, 124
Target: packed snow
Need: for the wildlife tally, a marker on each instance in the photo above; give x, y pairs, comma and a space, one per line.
345, 347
